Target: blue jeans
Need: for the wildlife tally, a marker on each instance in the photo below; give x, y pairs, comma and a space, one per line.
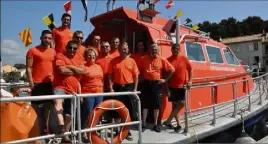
87, 107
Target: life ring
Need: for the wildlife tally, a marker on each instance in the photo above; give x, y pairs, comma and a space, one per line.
95, 116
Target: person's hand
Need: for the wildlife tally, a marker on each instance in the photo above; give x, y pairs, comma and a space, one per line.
111, 90
135, 89
31, 86
81, 100
189, 83
161, 81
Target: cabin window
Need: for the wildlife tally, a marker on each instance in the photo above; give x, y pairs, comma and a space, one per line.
230, 58
194, 51
214, 54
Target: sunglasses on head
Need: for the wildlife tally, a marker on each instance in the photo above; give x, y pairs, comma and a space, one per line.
72, 48
78, 37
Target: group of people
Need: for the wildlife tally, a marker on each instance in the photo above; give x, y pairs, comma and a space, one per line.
72, 67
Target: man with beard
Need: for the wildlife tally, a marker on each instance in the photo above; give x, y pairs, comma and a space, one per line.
114, 47
62, 34
68, 71
39, 63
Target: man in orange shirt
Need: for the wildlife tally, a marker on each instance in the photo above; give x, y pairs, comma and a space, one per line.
62, 34
151, 68
39, 66
139, 52
176, 84
68, 69
104, 60
78, 37
114, 47
123, 73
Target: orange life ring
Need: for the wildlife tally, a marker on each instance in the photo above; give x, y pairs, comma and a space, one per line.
98, 111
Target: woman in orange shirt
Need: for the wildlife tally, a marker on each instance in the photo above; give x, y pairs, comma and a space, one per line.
91, 82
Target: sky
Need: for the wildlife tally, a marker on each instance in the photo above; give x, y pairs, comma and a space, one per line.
17, 15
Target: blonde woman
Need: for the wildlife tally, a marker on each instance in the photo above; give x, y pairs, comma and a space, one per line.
91, 82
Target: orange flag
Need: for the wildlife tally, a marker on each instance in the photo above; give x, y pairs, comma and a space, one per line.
26, 37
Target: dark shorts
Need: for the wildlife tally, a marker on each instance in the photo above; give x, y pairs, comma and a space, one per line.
41, 89
151, 94
125, 99
176, 94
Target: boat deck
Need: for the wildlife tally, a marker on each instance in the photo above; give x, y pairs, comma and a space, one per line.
200, 124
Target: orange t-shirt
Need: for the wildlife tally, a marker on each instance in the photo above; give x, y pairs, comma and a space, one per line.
104, 61
114, 53
124, 71
69, 83
61, 37
42, 70
182, 68
92, 81
80, 52
151, 68
137, 57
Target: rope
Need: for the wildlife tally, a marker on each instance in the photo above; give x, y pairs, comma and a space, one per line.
94, 13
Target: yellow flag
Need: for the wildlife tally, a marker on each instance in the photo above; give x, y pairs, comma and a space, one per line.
49, 21
195, 27
179, 13
26, 37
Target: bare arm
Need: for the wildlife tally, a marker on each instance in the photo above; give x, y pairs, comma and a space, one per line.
64, 70
77, 70
169, 75
136, 81
29, 66
110, 82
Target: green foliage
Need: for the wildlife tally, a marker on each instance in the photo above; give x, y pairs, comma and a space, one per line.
12, 77
232, 28
20, 66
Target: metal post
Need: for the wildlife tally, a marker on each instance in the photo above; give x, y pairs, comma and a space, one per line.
178, 30
249, 96
266, 87
186, 111
260, 103
235, 98
73, 109
139, 117
79, 119
213, 102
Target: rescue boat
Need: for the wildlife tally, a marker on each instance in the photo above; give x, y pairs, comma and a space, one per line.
212, 61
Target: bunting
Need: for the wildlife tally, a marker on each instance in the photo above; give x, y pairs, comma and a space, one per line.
26, 37
169, 4
155, 1
195, 27
49, 21
84, 2
187, 21
68, 7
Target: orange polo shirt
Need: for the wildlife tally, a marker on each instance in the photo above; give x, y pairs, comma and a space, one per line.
92, 81
104, 61
43, 58
124, 71
151, 68
68, 83
80, 52
182, 68
61, 37
114, 53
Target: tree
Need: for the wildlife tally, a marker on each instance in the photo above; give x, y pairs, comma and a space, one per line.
20, 66
12, 77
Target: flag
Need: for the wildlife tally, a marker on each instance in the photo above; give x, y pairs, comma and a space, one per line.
187, 21
68, 7
195, 27
178, 14
49, 21
84, 2
155, 1
169, 4
26, 37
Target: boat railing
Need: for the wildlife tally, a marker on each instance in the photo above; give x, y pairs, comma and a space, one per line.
75, 107
262, 86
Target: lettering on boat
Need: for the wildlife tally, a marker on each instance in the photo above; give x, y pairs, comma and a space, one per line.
216, 68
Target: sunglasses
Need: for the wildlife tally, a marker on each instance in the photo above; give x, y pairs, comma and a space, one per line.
79, 37
72, 48
105, 46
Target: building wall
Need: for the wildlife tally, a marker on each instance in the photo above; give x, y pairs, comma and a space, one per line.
246, 51
9, 68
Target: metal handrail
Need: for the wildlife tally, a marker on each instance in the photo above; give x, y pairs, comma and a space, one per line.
76, 101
